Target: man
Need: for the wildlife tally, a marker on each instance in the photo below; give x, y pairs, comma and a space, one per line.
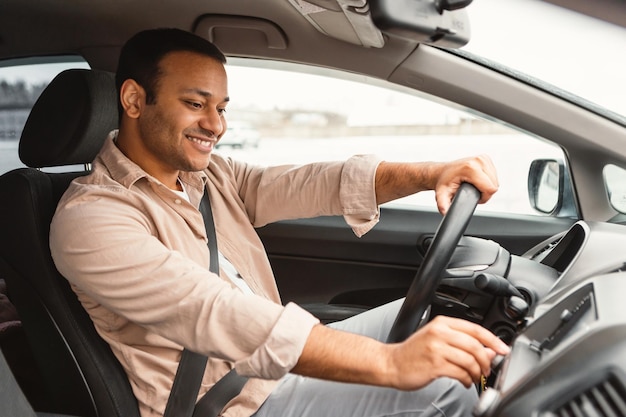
138, 260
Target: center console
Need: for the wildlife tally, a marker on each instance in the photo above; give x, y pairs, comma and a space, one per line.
569, 360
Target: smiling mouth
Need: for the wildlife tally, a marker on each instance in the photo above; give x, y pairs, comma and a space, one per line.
201, 142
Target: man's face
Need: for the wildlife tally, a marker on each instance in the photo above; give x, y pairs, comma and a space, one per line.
180, 129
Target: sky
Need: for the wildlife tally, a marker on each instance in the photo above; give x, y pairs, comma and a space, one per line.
578, 53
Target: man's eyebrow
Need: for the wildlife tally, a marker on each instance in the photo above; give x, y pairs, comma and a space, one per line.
202, 93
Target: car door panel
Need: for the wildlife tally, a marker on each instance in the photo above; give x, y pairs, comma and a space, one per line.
320, 261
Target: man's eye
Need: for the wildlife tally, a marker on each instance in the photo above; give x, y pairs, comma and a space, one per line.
221, 111
194, 104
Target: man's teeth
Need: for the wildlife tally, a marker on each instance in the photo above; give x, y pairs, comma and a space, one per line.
200, 141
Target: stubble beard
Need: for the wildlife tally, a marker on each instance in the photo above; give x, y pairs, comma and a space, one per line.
166, 144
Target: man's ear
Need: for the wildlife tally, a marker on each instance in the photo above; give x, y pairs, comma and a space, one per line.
133, 98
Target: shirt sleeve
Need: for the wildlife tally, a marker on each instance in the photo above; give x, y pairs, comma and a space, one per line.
345, 188
282, 349
357, 193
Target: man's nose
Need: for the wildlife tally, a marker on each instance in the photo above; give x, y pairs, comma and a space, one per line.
212, 121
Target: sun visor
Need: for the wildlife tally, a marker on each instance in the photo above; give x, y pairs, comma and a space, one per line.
347, 20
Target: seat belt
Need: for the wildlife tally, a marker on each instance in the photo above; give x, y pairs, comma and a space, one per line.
182, 399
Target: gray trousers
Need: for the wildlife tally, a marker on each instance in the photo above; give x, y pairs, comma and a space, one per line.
298, 396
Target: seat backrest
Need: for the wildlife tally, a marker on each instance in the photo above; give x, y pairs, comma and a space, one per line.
67, 126
14, 403
11, 397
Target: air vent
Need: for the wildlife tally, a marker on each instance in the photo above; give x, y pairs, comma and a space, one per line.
541, 253
606, 399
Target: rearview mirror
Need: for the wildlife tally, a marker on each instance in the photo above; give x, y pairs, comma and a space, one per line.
440, 22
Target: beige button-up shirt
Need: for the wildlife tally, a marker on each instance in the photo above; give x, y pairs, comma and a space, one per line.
136, 255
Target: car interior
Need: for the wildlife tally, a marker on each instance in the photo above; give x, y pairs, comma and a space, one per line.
546, 284
66, 127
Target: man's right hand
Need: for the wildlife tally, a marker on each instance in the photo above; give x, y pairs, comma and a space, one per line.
445, 346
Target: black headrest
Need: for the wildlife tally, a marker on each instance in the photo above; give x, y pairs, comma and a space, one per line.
71, 119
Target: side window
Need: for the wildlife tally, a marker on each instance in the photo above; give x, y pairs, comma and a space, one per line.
21, 83
615, 183
280, 117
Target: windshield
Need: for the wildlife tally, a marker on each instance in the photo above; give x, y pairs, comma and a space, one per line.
574, 52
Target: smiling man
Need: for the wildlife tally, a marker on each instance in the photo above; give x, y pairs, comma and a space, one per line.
131, 241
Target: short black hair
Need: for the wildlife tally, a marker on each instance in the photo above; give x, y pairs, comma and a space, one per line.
141, 55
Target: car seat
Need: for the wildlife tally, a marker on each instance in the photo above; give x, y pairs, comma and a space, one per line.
14, 403
66, 127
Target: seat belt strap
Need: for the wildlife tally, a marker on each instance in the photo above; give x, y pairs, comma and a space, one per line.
182, 399
224, 390
186, 385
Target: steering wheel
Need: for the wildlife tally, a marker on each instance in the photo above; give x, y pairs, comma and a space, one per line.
429, 275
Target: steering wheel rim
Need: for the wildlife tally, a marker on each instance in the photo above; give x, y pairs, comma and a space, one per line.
428, 277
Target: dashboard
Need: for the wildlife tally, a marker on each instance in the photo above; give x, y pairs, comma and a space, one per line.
568, 357
586, 249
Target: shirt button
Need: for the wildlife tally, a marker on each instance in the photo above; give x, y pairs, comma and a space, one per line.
178, 201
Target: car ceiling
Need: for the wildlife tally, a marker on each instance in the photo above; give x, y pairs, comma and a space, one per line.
238, 27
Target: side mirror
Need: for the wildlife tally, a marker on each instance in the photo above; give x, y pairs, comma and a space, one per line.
544, 185
438, 22
549, 188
